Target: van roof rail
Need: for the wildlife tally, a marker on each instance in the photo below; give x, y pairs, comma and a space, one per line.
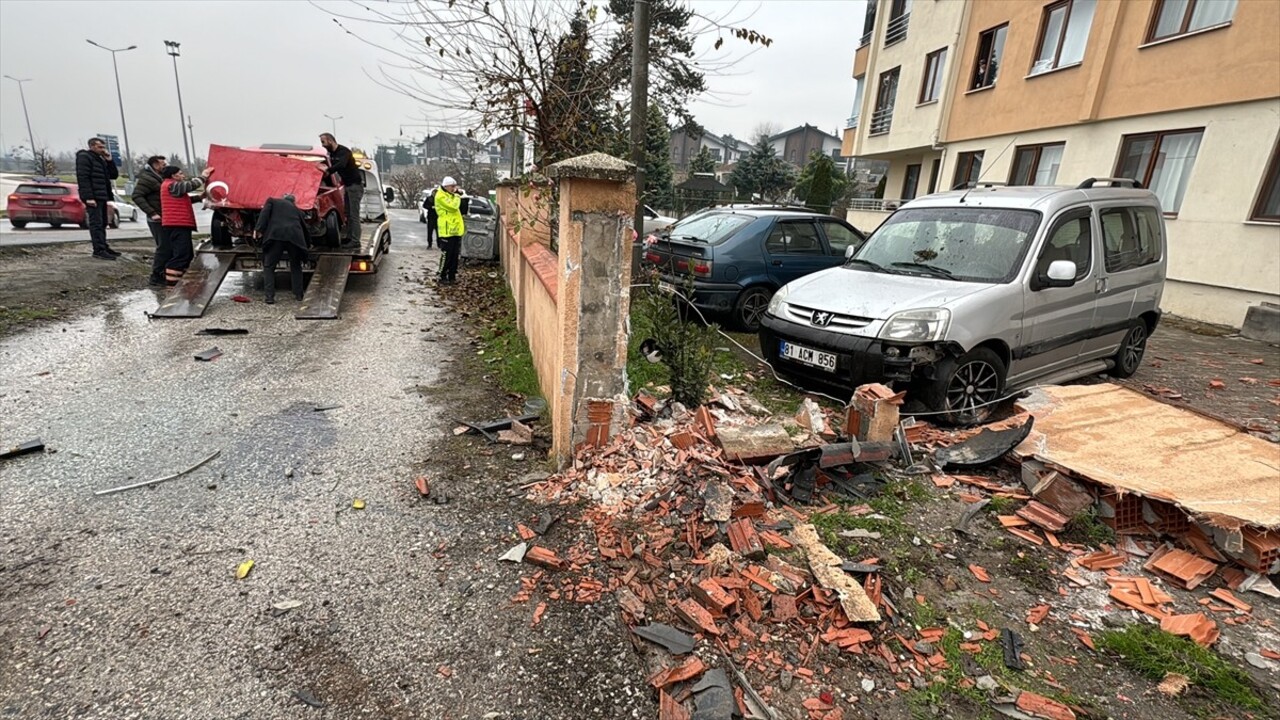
980, 184
1115, 182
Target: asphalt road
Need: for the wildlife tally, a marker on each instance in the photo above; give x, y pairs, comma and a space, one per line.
127, 605
43, 234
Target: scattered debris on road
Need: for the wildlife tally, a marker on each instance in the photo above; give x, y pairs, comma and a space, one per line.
30, 446
208, 355
166, 478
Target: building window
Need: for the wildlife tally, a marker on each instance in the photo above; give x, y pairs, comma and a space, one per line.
899, 17
1179, 17
931, 85
990, 50
1268, 207
968, 169
882, 118
1161, 161
1036, 164
1064, 30
933, 175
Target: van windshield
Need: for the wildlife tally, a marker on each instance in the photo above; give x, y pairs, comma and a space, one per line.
969, 244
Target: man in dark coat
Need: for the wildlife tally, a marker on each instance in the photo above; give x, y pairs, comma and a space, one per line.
282, 228
343, 164
433, 220
146, 195
95, 175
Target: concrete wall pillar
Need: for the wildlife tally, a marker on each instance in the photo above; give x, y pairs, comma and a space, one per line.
597, 199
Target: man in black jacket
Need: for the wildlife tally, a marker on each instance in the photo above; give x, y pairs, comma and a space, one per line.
95, 174
343, 164
146, 195
282, 228
433, 226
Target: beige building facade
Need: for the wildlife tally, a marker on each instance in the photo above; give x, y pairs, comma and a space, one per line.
1183, 95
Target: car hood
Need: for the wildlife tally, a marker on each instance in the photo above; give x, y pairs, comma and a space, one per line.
848, 291
252, 177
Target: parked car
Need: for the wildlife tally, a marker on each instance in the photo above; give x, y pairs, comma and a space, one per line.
45, 200
121, 210
963, 297
656, 222
736, 259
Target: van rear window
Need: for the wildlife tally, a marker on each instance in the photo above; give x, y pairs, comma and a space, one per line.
41, 190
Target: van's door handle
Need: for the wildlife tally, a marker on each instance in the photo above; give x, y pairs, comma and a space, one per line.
1100, 286
777, 262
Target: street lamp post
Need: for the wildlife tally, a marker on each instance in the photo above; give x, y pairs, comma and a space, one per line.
128, 156
35, 159
333, 124
194, 152
171, 48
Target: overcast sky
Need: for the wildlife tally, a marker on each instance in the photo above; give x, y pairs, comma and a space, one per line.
270, 70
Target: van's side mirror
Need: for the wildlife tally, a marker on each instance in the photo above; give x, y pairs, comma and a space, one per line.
388, 195
1062, 273
849, 251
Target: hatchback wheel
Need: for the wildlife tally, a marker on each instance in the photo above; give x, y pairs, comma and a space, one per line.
967, 389
1129, 357
750, 307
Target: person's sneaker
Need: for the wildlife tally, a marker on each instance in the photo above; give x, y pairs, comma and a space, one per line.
103, 255
297, 296
112, 253
156, 282
269, 300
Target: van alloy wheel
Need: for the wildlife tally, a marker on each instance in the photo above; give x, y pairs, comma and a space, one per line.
1128, 358
969, 387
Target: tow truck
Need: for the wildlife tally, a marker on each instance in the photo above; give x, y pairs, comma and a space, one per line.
242, 180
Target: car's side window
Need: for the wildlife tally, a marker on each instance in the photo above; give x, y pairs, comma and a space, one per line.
802, 238
1070, 239
840, 237
1130, 237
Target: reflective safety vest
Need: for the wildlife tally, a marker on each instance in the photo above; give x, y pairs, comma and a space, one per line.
175, 211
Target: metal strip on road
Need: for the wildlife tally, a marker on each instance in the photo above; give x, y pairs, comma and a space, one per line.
197, 287
324, 294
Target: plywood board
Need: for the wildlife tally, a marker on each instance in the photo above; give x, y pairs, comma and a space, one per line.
1115, 436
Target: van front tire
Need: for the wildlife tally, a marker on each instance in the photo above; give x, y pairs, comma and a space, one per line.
967, 389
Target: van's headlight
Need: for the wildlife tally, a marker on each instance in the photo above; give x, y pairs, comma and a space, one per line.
777, 301
928, 325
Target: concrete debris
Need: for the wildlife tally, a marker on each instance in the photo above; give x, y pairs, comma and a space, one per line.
515, 554
719, 502
207, 355
517, 434
751, 445
826, 568
1174, 684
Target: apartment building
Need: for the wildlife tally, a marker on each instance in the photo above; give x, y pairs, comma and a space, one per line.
1182, 95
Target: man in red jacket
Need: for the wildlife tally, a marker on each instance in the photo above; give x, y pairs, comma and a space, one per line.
178, 220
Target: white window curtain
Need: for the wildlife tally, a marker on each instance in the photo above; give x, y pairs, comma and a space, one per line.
1052, 33
1173, 168
1077, 32
1208, 13
1047, 169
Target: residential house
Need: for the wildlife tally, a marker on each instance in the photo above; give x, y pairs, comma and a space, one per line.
687, 142
451, 146
795, 144
1181, 95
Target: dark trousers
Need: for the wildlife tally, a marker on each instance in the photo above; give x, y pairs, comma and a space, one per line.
449, 263
179, 252
158, 260
354, 194
433, 233
271, 257
96, 216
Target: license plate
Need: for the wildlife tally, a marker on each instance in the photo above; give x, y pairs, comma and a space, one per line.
808, 356
44, 203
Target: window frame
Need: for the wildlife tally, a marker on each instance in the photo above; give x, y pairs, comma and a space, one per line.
914, 186
823, 223
1035, 162
1074, 214
973, 76
1184, 29
781, 225
1270, 179
935, 171
1042, 35
1110, 262
1158, 137
941, 57
965, 160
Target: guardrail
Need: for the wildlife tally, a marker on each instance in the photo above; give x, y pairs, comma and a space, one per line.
875, 204
897, 29
851, 123
881, 121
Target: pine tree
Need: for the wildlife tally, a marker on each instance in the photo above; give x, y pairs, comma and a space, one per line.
703, 162
762, 173
820, 183
658, 191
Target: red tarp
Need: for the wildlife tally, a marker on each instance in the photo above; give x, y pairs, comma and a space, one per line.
252, 177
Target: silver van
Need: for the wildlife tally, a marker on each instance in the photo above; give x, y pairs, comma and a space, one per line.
964, 297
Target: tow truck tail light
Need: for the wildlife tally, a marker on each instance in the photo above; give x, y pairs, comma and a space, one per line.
702, 268
360, 266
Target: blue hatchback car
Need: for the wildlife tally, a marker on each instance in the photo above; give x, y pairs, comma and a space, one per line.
738, 258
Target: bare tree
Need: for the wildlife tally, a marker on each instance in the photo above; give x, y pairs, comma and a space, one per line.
548, 68
766, 129
409, 184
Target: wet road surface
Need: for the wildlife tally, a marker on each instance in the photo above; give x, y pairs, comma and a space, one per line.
126, 605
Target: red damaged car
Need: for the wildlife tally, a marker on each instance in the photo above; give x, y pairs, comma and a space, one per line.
244, 178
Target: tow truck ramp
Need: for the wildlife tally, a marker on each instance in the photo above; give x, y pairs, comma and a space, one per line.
198, 285
324, 294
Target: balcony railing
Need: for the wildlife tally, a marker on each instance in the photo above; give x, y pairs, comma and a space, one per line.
881, 120
875, 204
866, 39
851, 123
897, 29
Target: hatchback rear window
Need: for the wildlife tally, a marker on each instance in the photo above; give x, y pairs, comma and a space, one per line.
42, 190
711, 229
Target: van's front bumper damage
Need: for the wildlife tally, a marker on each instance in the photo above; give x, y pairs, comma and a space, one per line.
859, 360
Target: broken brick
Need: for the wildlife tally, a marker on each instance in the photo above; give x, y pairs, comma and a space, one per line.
1043, 707
1044, 516
688, 670
980, 573
1180, 567
784, 608
669, 709
712, 596
682, 440
744, 540
706, 422
696, 616
1037, 614
537, 555
1225, 596
1196, 626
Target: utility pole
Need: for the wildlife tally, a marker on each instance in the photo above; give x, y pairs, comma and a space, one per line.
128, 156
639, 101
333, 125
35, 159
171, 48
